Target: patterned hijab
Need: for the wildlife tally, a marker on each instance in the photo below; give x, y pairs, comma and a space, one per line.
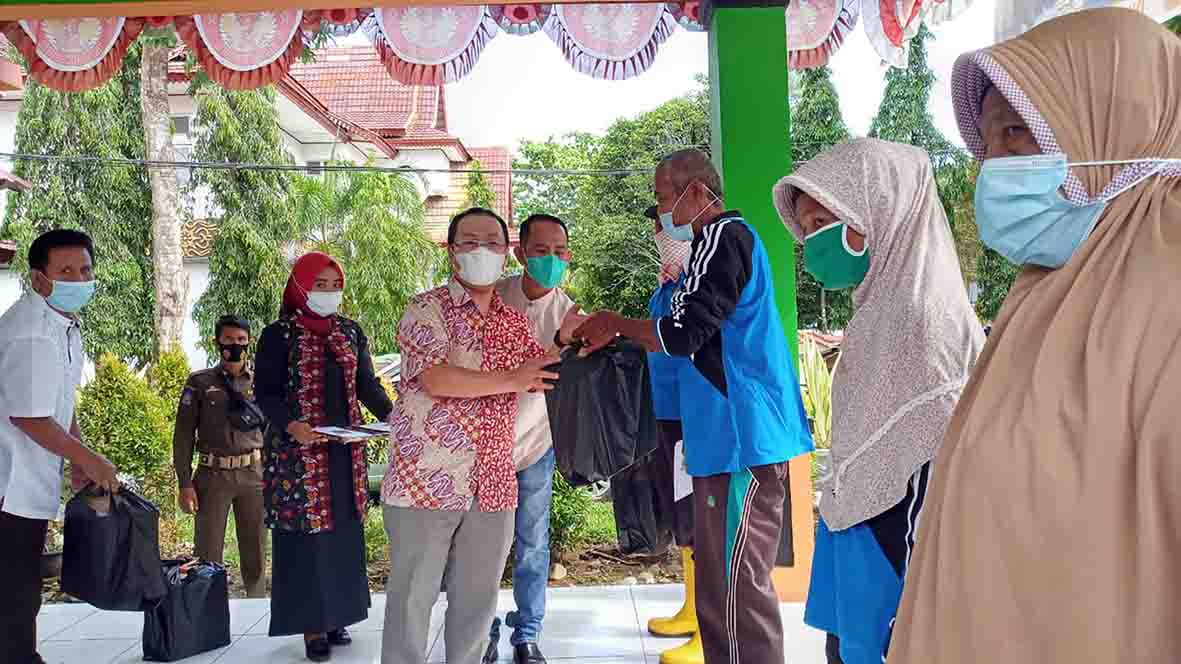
913, 337
1050, 529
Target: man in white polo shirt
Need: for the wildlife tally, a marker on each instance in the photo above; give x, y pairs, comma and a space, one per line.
40, 369
544, 251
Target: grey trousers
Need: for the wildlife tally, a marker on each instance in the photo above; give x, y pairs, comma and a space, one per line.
471, 549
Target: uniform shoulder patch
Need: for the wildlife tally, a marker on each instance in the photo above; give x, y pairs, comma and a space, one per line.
186, 397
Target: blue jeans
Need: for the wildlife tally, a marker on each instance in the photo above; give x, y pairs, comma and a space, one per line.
535, 490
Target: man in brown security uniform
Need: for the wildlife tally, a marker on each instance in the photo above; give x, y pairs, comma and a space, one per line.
213, 419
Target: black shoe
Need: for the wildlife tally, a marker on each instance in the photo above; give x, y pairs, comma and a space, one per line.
318, 650
340, 637
528, 653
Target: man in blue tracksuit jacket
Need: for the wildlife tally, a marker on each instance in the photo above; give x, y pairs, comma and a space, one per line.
723, 317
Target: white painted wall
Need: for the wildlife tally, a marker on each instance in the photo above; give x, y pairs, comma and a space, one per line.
198, 273
8, 113
10, 288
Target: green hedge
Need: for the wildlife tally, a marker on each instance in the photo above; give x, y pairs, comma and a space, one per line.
568, 515
125, 420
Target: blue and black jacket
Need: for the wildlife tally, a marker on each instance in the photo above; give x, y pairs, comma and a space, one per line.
737, 388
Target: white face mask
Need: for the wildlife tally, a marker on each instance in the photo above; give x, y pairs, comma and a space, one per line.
481, 267
325, 303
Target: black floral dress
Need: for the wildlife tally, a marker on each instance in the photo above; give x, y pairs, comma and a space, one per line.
319, 577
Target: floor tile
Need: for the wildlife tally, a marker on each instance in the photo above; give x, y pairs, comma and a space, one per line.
245, 614
135, 654
55, 620
110, 625
95, 651
365, 649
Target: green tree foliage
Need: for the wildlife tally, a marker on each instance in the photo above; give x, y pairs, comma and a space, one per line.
816, 126
640, 143
904, 118
617, 264
110, 202
996, 276
247, 266
478, 192
615, 259
552, 194
373, 224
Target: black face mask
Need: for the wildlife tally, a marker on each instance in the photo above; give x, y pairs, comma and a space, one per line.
232, 352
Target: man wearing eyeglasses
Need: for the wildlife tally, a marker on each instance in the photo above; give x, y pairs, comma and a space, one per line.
545, 253
450, 493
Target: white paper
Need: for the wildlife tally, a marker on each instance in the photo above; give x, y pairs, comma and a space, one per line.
342, 434
682, 483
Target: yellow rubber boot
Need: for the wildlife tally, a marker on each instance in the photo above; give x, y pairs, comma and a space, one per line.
690, 653
684, 623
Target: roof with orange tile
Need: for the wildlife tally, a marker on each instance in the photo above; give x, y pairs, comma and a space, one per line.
354, 84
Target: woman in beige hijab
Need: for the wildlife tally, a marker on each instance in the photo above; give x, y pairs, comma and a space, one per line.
1052, 530
869, 216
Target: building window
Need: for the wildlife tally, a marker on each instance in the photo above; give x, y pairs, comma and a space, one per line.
182, 125
184, 175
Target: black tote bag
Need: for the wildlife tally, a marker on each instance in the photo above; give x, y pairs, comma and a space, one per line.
111, 550
600, 412
194, 617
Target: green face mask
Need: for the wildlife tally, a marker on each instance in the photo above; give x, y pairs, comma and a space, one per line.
547, 271
828, 258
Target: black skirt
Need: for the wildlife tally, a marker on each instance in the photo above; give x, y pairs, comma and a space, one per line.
320, 581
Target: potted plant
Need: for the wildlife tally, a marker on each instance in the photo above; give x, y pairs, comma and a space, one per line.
817, 393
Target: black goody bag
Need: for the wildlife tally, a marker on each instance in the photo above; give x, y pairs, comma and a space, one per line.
600, 412
111, 550
194, 617
640, 525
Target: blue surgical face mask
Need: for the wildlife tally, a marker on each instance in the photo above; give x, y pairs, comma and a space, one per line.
71, 296
1023, 216
680, 233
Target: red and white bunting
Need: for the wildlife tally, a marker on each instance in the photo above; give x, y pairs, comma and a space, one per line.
613, 42
244, 50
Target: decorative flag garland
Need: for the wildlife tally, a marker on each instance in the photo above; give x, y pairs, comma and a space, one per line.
73, 54
431, 45
612, 42
434, 45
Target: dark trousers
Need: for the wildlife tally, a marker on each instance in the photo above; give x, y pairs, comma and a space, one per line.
21, 543
738, 520
678, 514
217, 492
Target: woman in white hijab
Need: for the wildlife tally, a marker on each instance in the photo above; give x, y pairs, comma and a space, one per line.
869, 216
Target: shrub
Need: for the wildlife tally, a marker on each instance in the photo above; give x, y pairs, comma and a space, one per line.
599, 528
568, 515
125, 420
168, 376
376, 542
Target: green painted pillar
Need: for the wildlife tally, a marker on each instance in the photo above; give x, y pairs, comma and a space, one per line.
751, 130
751, 134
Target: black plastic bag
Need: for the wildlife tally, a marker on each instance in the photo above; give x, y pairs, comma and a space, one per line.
642, 525
600, 412
111, 550
194, 617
